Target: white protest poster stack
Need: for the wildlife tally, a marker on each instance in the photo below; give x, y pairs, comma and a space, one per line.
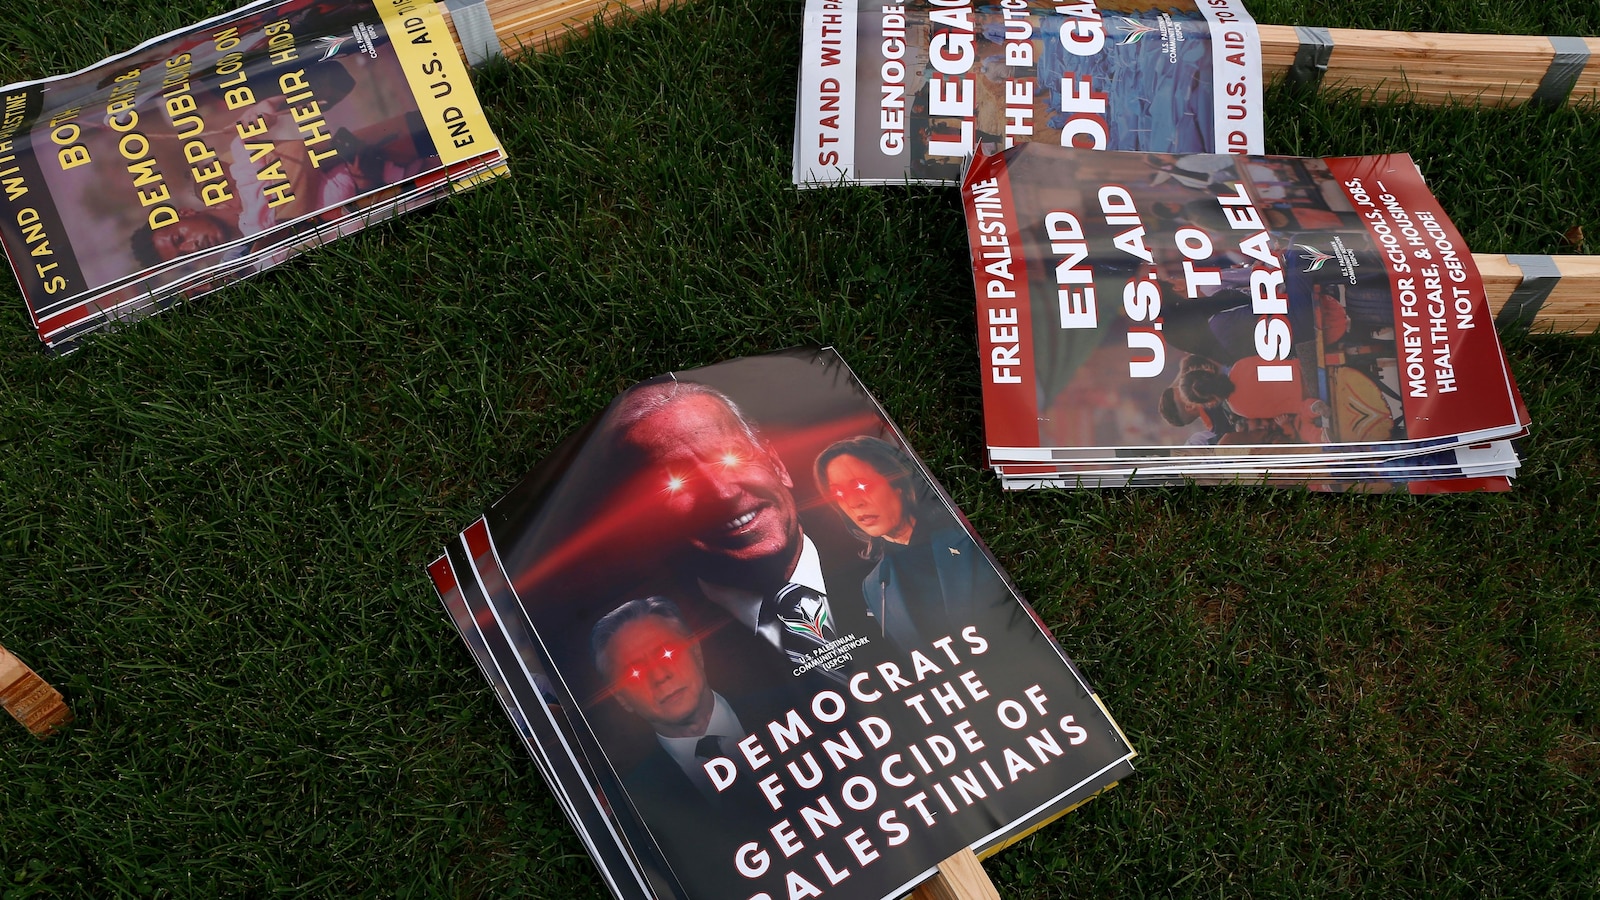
897, 93
219, 150
1152, 319
757, 652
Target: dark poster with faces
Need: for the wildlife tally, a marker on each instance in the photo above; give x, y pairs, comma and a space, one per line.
806, 673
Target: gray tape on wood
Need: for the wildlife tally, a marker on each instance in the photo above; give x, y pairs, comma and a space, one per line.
1539, 277
1311, 57
1572, 54
475, 29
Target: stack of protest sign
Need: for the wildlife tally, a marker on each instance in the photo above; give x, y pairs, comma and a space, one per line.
898, 93
904, 92
1161, 318
219, 150
758, 652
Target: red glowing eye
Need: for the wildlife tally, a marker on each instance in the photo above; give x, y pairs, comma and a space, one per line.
674, 484
635, 674
731, 459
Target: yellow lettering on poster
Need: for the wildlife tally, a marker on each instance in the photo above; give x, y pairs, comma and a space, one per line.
438, 79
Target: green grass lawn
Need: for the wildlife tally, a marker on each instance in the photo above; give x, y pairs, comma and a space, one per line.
213, 524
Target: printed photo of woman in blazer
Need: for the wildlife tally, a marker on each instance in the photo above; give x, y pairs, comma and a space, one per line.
930, 577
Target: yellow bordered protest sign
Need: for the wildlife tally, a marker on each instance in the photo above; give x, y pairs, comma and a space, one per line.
438, 77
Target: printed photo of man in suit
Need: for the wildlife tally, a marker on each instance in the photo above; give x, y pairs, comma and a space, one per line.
656, 670
645, 650
749, 567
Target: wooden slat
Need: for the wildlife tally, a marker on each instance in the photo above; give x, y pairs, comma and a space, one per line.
27, 697
961, 877
1487, 69
1573, 306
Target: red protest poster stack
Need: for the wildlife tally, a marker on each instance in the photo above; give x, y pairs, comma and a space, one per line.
1148, 319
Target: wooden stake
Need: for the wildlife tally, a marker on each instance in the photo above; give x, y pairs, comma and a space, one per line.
29, 699
1486, 69
961, 877
538, 25
1573, 305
